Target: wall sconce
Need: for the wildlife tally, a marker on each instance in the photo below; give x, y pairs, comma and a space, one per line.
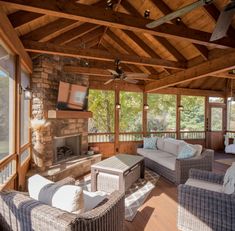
146, 106
27, 92
180, 107
118, 106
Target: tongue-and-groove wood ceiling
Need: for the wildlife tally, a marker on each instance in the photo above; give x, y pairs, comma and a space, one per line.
177, 51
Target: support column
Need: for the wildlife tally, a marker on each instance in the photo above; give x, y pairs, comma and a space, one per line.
178, 103
116, 127
144, 118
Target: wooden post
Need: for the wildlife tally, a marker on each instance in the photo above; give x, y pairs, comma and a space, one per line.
18, 93
117, 112
178, 103
207, 125
144, 118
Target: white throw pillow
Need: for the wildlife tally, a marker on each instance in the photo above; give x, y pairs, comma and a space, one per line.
172, 146
229, 180
198, 148
160, 143
35, 184
92, 199
66, 197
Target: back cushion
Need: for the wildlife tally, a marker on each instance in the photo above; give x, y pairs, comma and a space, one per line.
160, 143
66, 197
198, 148
172, 146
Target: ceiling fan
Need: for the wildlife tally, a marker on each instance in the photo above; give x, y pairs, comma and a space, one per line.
118, 74
222, 24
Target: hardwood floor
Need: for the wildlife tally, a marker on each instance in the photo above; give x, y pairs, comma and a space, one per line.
159, 212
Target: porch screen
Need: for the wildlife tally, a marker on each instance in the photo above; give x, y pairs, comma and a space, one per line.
161, 113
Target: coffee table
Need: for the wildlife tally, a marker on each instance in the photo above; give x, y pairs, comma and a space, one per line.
116, 173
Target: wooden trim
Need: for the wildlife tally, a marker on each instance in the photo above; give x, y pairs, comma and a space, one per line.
59, 114
178, 116
116, 122
8, 34
223, 63
50, 48
12, 178
101, 16
7, 159
145, 115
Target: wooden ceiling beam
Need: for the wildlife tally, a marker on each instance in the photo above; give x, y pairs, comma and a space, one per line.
21, 17
224, 74
93, 34
110, 48
214, 13
50, 48
165, 9
121, 43
207, 68
8, 34
100, 16
44, 33
163, 41
74, 33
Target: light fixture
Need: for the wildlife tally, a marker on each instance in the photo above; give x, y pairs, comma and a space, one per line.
118, 106
147, 13
109, 4
27, 92
178, 20
146, 106
180, 107
231, 72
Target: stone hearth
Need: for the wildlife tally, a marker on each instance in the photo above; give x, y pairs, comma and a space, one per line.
47, 73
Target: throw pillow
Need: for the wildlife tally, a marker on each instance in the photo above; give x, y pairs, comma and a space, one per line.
92, 199
66, 197
229, 180
186, 152
150, 142
160, 143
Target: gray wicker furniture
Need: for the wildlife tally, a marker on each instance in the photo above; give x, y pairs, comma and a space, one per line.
205, 210
117, 173
179, 174
19, 212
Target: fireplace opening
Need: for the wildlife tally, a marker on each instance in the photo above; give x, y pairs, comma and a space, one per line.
67, 147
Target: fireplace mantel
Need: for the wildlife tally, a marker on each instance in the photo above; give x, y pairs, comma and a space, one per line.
62, 114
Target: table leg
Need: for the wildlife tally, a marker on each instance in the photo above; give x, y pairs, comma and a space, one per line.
93, 180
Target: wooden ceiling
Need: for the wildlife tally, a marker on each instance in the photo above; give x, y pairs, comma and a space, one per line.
174, 54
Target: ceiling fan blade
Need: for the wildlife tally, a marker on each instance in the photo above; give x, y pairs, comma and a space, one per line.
109, 81
223, 23
137, 75
131, 80
178, 13
112, 72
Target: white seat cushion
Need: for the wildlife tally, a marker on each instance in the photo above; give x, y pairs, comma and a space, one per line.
92, 199
229, 180
66, 197
164, 158
204, 185
160, 143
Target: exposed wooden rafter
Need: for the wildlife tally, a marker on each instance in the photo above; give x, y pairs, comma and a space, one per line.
214, 66
100, 16
163, 41
165, 9
8, 34
50, 48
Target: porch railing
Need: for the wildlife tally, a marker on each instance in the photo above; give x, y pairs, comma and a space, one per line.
192, 135
7, 169
231, 134
100, 137
131, 136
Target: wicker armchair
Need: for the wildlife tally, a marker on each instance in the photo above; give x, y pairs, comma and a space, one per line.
20, 212
205, 210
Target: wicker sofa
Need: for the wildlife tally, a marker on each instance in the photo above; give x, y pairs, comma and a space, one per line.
205, 207
176, 170
19, 212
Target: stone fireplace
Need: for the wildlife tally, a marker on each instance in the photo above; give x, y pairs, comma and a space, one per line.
67, 147
46, 138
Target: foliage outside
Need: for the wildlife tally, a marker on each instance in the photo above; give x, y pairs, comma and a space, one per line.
161, 113
231, 116
193, 115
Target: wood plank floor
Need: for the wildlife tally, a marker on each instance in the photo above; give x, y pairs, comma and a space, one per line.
159, 212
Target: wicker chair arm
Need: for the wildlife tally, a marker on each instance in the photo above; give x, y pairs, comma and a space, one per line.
206, 176
18, 210
65, 181
204, 162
